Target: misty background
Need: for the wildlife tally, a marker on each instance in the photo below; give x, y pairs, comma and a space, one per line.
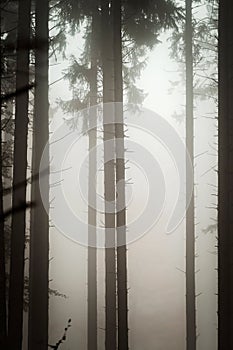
156, 261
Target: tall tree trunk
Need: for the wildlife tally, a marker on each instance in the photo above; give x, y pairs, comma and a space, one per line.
190, 228
120, 179
39, 239
109, 175
2, 240
92, 252
225, 192
16, 289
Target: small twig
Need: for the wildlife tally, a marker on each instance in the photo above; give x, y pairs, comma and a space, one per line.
7, 97
21, 207
63, 338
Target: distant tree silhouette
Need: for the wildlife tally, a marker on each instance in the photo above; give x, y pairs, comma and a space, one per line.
92, 137
202, 85
140, 23
190, 226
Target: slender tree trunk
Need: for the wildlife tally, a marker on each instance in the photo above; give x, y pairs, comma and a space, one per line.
39, 239
225, 194
190, 228
120, 179
2, 236
15, 317
92, 252
109, 175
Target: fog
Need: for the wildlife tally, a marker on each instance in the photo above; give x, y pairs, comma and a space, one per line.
156, 261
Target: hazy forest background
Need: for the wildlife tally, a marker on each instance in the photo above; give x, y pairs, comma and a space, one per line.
80, 165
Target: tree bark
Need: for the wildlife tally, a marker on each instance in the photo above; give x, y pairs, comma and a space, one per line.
39, 239
2, 237
225, 183
92, 251
16, 288
122, 306
190, 228
109, 175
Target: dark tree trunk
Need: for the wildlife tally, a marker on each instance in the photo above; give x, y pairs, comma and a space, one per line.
39, 239
225, 194
2, 240
109, 175
120, 178
15, 318
190, 227
92, 252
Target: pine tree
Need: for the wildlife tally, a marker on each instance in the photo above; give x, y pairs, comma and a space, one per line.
190, 228
2, 232
92, 137
144, 34
122, 306
109, 174
225, 194
39, 238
